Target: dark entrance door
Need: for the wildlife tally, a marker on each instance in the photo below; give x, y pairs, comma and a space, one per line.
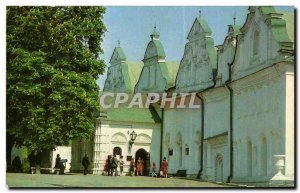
145, 156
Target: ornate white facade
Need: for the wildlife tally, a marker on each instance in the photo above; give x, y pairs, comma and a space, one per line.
244, 130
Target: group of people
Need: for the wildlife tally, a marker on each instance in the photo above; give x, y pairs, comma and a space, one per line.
163, 171
60, 165
112, 163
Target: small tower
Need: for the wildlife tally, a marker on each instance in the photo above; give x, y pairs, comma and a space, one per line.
155, 34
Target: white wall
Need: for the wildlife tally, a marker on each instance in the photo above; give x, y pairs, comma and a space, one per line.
187, 122
259, 113
65, 153
117, 134
216, 123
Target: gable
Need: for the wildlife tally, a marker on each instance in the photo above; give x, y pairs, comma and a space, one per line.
154, 49
115, 80
264, 41
199, 26
122, 75
118, 56
199, 60
226, 54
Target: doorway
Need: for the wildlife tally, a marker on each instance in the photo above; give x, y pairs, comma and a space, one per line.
145, 156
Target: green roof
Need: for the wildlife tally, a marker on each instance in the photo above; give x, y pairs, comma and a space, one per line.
289, 19
236, 30
120, 52
160, 52
267, 9
159, 48
169, 71
204, 25
136, 115
212, 53
134, 71
282, 27
131, 72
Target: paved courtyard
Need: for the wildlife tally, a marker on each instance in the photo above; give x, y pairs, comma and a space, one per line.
99, 181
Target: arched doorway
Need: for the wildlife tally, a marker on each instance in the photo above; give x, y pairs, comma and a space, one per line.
219, 168
145, 156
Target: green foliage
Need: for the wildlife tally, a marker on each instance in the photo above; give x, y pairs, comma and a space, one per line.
24, 160
52, 67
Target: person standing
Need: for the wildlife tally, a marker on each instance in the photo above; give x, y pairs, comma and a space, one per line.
154, 170
164, 167
139, 167
85, 163
57, 164
114, 165
121, 165
131, 168
107, 165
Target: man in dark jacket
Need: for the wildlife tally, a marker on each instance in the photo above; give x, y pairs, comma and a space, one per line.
85, 163
114, 165
57, 163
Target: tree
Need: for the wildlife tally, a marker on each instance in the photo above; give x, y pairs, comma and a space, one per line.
52, 67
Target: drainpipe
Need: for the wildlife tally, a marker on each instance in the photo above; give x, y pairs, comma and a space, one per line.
161, 136
227, 85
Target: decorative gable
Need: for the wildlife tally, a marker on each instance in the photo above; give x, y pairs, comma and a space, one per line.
226, 54
157, 75
199, 60
118, 56
264, 41
117, 74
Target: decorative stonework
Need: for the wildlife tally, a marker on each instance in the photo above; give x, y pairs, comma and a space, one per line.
196, 62
119, 138
142, 139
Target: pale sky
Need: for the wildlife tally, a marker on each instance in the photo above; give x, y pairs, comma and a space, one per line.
133, 26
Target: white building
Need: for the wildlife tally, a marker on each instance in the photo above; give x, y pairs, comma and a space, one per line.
244, 130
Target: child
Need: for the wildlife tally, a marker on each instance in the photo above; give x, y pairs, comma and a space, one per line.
131, 169
154, 170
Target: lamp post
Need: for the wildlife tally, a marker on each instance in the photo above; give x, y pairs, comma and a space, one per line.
132, 137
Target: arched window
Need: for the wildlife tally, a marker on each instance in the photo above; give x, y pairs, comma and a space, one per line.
255, 42
117, 151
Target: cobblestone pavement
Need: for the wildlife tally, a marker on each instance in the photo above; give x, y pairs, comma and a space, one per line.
99, 181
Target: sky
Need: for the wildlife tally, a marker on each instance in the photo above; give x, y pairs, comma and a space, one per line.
132, 26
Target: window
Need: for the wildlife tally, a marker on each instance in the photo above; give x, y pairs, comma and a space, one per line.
117, 151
